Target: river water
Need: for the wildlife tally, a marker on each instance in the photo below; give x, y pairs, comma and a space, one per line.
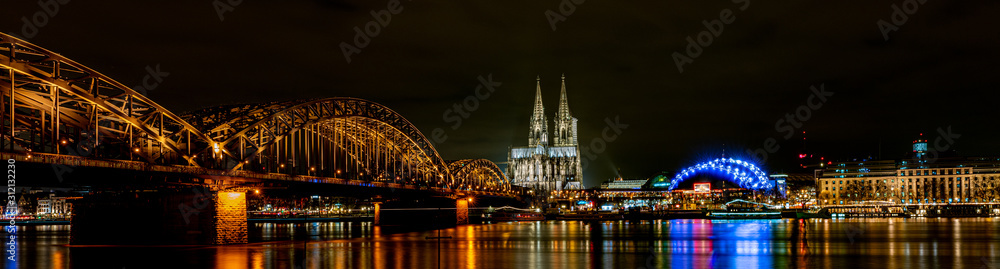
872, 243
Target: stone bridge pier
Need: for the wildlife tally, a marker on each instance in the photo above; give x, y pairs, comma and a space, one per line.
170, 216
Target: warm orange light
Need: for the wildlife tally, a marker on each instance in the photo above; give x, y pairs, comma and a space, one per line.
232, 195
136, 149
256, 191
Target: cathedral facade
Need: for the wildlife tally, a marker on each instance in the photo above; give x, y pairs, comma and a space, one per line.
546, 166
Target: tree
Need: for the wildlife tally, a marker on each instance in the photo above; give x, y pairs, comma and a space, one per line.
824, 196
876, 190
853, 191
987, 189
866, 190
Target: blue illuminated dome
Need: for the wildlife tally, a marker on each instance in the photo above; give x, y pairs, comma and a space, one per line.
742, 173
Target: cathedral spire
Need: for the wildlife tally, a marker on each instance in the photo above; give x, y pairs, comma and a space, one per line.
565, 128
539, 133
563, 103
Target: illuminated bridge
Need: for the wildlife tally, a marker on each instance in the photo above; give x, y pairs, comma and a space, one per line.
59, 112
742, 173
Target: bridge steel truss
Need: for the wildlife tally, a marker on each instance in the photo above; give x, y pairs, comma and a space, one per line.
478, 174
55, 106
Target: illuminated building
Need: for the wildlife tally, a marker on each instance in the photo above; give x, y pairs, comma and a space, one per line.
923, 178
624, 184
542, 166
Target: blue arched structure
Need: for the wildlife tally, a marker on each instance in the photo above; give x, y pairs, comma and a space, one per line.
744, 174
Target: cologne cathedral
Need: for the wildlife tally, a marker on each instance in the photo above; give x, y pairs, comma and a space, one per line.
545, 166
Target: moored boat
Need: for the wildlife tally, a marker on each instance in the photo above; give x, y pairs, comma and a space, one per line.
511, 214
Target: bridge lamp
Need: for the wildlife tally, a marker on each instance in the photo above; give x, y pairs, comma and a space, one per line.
63, 141
256, 191
282, 166
470, 199
136, 149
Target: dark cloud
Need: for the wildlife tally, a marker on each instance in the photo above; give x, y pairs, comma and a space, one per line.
938, 70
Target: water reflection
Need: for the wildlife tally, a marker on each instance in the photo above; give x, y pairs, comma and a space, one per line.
784, 243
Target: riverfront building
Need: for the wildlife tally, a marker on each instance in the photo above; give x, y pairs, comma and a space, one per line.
918, 179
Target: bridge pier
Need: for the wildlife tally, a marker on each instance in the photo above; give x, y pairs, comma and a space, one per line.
462, 211
196, 216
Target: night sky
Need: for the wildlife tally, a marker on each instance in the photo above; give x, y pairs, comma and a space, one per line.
938, 69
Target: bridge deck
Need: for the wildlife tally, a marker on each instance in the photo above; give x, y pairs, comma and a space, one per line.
237, 175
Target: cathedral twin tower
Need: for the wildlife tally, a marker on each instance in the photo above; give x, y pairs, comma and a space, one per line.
548, 167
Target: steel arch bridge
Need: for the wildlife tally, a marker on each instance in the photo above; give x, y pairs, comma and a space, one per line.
743, 173
56, 109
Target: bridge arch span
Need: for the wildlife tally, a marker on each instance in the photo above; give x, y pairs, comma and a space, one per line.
56, 107
478, 174
336, 137
50, 102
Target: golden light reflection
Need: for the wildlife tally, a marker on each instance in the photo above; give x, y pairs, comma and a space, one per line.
898, 243
231, 257
58, 260
470, 250
257, 260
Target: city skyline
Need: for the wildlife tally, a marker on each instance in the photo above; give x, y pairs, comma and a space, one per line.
758, 69
543, 134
